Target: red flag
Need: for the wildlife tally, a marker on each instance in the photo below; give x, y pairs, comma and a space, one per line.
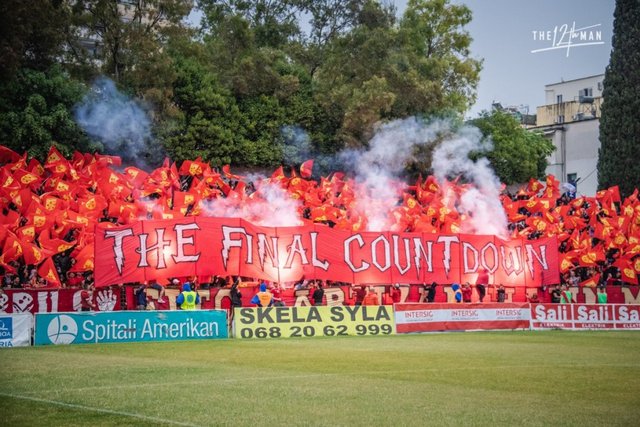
53, 157
566, 264
588, 259
135, 176
93, 205
35, 167
84, 259
552, 189
26, 233
534, 186
52, 203
104, 160
193, 168
6, 257
628, 273
56, 162
47, 271
56, 246
183, 199
591, 282
306, 169
32, 254
12, 242
615, 194
27, 179
7, 155
226, 169
7, 182
11, 218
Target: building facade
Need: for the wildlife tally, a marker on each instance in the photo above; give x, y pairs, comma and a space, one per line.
570, 118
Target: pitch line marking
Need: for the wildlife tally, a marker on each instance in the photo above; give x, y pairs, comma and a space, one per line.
100, 410
171, 383
290, 377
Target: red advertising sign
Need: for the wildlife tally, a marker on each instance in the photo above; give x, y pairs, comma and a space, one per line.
457, 317
221, 246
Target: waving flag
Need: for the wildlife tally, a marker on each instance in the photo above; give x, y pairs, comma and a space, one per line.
306, 169
47, 271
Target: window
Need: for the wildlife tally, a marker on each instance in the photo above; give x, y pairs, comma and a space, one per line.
588, 91
559, 99
572, 177
560, 119
600, 86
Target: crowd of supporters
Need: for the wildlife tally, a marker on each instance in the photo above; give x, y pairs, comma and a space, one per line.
49, 211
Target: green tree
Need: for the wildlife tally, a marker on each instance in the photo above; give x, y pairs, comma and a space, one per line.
351, 83
269, 89
35, 112
619, 128
434, 69
211, 125
381, 71
130, 43
517, 154
273, 22
255, 74
32, 34
329, 19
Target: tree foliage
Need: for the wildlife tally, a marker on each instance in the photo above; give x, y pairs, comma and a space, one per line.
232, 91
517, 154
129, 43
31, 34
35, 112
619, 128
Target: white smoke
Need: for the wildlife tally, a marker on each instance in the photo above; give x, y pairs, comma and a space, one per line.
480, 201
270, 206
378, 169
116, 120
297, 146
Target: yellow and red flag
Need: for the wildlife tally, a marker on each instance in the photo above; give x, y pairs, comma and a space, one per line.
84, 259
47, 271
591, 282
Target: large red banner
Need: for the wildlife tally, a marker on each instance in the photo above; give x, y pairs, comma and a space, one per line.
149, 250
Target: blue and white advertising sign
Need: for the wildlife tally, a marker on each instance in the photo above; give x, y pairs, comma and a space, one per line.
15, 329
129, 326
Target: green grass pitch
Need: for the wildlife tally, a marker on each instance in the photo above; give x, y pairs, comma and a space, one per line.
483, 378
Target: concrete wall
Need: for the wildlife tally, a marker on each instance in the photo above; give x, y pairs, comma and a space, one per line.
578, 152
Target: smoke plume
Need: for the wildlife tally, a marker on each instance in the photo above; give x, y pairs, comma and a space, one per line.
480, 201
271, 206
117, 121
378, 169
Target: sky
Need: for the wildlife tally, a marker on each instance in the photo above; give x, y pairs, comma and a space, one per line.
503, 38
502, 32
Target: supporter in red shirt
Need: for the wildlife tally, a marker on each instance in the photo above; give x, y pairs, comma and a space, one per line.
395, 294
466, 292
276, 291
73, 280
86, 299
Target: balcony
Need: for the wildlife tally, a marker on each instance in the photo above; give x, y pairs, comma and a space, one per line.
567, 112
